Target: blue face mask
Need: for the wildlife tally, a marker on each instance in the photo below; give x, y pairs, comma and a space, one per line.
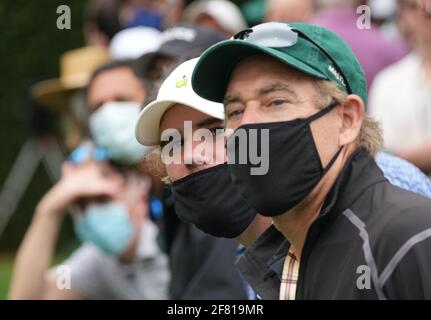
146, 18
113, 129
106, 225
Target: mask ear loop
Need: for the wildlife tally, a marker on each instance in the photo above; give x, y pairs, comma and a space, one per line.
322, 112
316, 116
332, 161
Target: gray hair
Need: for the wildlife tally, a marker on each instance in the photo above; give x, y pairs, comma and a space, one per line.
370, 137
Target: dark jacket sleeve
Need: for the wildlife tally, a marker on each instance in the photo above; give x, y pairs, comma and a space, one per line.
202, 267
410, 276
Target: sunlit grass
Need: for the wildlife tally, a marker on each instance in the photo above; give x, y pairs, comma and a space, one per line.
6, 265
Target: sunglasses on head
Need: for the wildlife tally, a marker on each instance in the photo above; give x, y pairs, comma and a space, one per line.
282, 35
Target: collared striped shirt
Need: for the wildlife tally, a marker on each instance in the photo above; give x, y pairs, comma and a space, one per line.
289, 278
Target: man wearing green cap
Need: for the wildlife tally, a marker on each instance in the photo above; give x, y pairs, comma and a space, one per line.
341, 230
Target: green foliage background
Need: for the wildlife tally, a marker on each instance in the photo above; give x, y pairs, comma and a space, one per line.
30, 46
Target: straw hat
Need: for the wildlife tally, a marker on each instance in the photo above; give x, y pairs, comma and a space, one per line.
76, 67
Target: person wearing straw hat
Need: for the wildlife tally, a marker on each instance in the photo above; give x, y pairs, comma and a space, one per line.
64, 95
76, 67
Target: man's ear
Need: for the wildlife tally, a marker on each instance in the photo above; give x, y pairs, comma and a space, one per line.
352, 116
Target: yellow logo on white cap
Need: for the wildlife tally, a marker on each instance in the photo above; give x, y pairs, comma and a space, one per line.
182, 82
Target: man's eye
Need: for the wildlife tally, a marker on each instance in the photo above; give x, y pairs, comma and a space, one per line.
233, 113
277, 102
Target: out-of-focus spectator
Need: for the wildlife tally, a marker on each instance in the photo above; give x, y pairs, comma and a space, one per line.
372, 49
383, 14
221, 15
159, 14
114, 97
110, 204
289, 10
65, 94
132, 43
76, 68
401, 95
119, 240
382, 9
115, 94
403, 174
178, 42
101, 21
412, 15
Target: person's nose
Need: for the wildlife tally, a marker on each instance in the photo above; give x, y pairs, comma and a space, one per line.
250, 114
194, 159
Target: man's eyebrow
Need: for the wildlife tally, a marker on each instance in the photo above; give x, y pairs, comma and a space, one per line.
278, 86
230, 99
274, 87
208, 122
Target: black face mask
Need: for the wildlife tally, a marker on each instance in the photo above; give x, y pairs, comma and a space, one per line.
294, 165
210, 201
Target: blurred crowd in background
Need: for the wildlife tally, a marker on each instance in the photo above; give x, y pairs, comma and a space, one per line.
80, 133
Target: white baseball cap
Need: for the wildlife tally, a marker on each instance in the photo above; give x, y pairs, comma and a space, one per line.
225, 13
131, 43
176, 89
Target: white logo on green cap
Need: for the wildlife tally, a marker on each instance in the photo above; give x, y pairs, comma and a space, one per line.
336, 74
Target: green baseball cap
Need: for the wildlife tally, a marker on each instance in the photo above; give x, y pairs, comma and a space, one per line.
309, 48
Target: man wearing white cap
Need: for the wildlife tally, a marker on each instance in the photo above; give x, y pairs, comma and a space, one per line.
177, 121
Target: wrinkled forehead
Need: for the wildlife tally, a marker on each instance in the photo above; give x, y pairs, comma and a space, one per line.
260, 71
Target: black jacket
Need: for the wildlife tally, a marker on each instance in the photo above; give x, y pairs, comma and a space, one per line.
202, 266
367, 229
